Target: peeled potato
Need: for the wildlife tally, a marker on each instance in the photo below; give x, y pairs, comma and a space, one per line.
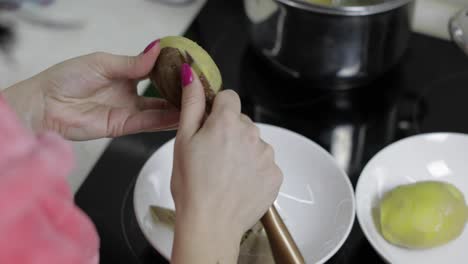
176, 51
423, 215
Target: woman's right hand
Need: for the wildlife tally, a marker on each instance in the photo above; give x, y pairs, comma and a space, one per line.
224, 176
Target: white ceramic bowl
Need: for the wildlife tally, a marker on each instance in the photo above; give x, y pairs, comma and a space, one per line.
435, 156
316, 199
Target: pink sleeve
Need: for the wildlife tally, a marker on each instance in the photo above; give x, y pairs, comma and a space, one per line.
39, 222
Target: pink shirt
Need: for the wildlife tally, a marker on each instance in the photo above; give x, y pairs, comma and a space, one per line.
39, 222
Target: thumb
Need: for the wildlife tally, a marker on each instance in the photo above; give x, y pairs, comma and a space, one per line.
193, 102
120, 66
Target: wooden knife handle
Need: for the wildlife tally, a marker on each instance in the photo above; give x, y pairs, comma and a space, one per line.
283, 247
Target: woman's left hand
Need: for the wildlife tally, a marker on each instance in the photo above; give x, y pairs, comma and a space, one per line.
93, 96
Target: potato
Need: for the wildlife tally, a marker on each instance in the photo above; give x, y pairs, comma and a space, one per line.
423, 215
165, 75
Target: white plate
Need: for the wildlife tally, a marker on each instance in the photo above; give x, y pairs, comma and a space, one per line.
316, 199
436, 156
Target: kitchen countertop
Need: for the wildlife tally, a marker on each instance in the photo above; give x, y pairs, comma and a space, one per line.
126, 29
117, 26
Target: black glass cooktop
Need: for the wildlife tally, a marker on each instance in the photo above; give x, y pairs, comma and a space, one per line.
426, 92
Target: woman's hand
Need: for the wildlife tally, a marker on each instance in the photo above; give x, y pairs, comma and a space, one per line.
93, 96
224, 177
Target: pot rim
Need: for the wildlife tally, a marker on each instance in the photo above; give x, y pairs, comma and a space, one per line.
347, 10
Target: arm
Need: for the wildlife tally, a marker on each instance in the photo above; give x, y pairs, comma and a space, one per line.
26, 100
224, 177
92, 96
200, 241
39, 221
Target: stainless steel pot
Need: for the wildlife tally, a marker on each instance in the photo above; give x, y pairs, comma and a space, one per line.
332, 47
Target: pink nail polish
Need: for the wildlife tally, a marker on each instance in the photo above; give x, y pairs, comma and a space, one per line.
186, 75
151, 45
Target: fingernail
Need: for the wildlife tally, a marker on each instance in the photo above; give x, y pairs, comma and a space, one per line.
151, 45
186, 74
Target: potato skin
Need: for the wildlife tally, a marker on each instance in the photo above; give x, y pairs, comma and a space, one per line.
165, 75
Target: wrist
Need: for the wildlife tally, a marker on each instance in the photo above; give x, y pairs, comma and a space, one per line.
26, 100
199, 239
